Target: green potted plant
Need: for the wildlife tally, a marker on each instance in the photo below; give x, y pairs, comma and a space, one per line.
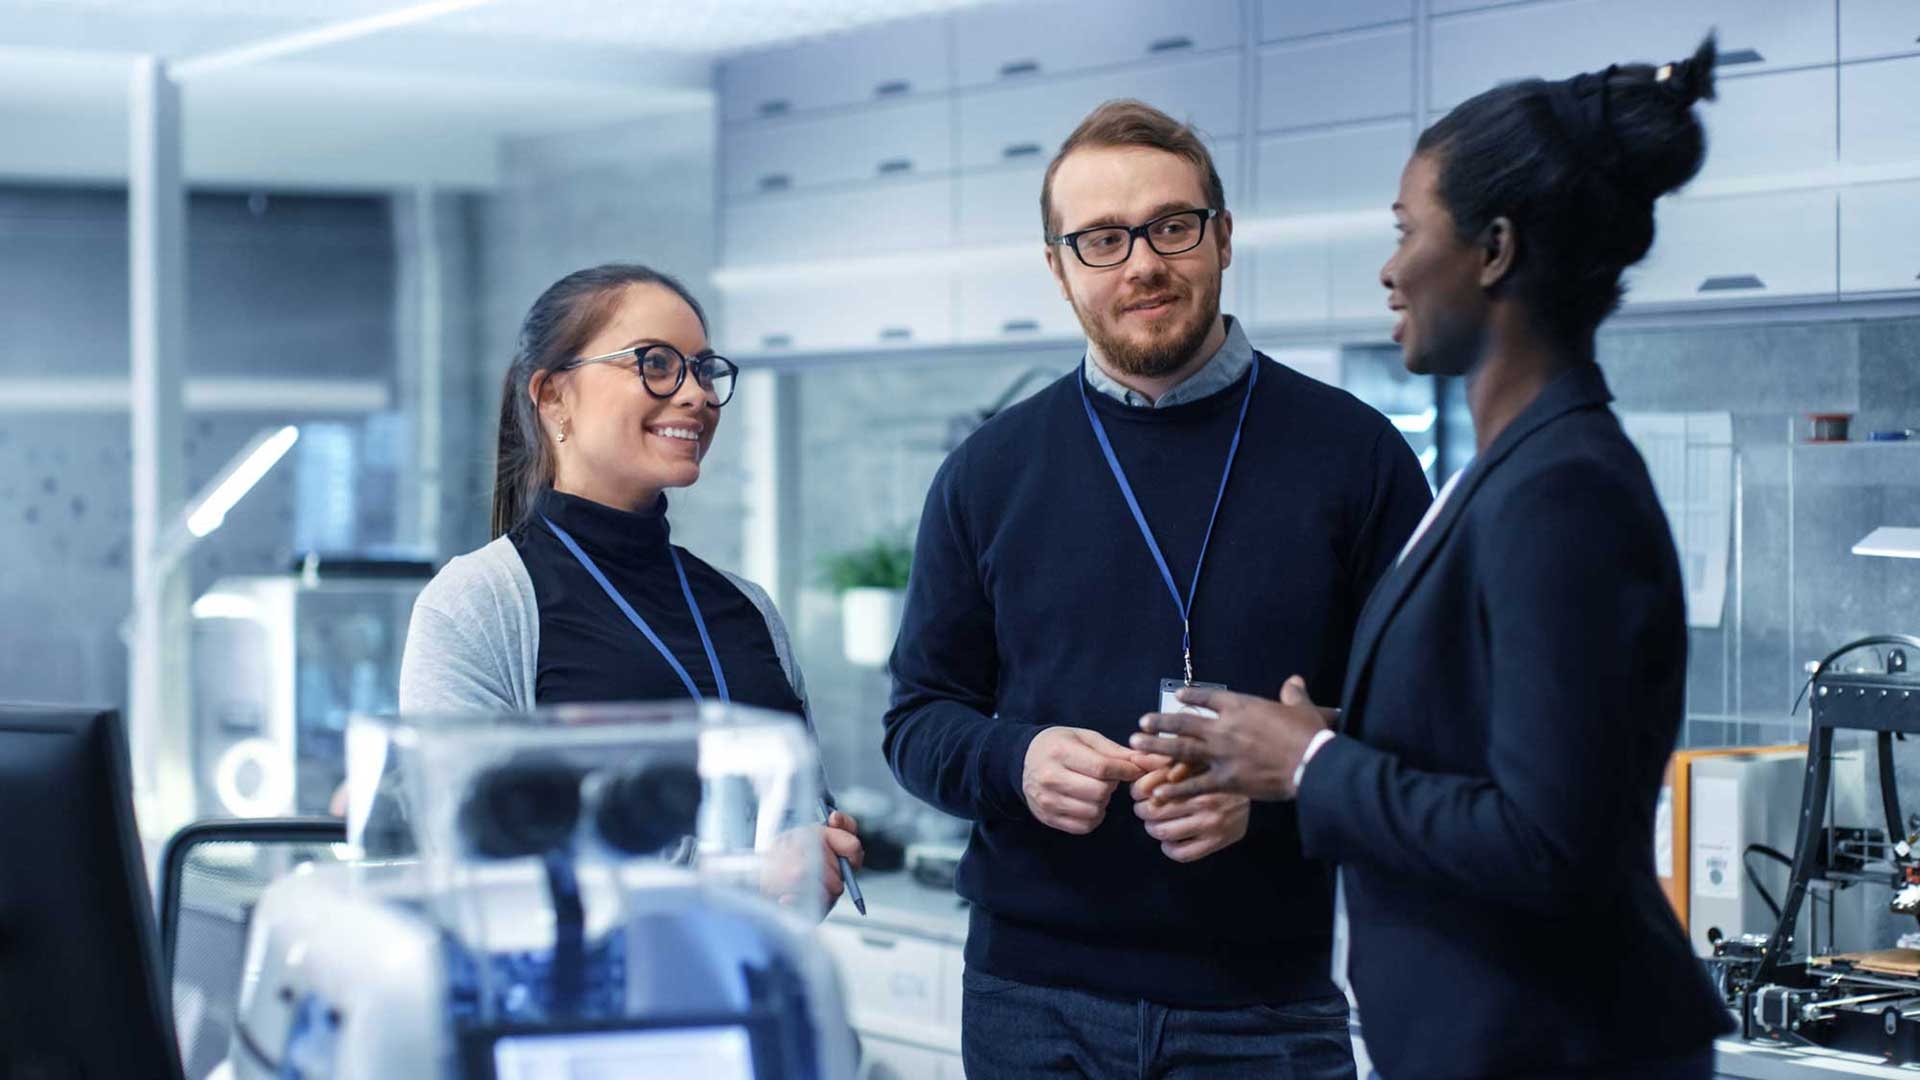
872, 582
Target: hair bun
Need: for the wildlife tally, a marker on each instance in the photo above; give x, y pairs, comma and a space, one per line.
1691, 79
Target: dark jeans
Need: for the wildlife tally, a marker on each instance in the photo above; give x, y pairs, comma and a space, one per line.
1012, 1030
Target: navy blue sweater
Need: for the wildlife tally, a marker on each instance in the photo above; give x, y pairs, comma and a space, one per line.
1034, 603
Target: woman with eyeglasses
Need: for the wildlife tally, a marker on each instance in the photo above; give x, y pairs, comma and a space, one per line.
614, 398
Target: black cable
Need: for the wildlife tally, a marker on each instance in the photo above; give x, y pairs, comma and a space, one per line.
1754, 879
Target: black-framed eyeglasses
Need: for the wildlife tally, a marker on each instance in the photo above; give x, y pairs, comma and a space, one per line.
663, 370
1111, 245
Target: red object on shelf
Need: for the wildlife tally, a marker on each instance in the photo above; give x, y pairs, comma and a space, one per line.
1829, 427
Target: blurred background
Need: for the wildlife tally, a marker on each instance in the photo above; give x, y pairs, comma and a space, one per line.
331, 216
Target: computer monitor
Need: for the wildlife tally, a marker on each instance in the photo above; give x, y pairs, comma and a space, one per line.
80, 986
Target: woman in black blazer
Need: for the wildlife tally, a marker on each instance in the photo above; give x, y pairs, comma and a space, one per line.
1517, 681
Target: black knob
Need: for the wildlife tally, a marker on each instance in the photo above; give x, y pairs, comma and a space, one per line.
525, 807
650, 808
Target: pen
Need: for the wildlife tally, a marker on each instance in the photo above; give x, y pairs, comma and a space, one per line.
846, 868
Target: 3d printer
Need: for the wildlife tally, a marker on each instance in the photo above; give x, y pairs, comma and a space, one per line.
1866, 1001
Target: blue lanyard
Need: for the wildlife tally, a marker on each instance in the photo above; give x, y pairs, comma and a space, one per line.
1140, 519
640, 624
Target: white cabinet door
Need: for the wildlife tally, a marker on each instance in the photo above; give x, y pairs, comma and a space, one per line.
1292, 283
1323, 202
1280, 19
890, 140
1309, 281
1354, 168
1013, 301
952, 971
1880, 113
1870, 28
897, 985
881, 218
1002, 206
1770, 127
1027, 124
884, 1059
1880, 237
1741, 247
877, 64
1008, 43
1355, 292
842, 314
1360, 76
1478, 50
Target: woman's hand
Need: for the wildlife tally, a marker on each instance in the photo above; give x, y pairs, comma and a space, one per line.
840, 839
789, 867
1250, 747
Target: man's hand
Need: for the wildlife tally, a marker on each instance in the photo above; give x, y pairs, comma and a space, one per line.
1070, 776
1251, 748
1189, 829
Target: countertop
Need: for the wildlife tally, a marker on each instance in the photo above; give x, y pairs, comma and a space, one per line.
896, 903
1772, 1061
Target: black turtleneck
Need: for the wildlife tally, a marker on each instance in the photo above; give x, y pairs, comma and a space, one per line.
589, 652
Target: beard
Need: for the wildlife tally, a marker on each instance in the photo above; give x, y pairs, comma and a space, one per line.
1168, 346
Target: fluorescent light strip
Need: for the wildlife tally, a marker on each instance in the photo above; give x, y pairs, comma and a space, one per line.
320, 37
213, 510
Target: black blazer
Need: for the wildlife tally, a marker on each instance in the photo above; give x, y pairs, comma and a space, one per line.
1514, 692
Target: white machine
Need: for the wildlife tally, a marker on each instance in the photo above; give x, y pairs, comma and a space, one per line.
596, 895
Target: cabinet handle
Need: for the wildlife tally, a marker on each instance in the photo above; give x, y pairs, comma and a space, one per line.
1731, 283
896, 165
878, 942
1019, 67
1019, 326
1172, 44
1740, 56
776, 182
776, 107
1020, 150
889, 89
896, 333
776, 341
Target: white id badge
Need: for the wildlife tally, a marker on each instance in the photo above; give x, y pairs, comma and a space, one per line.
1171, 704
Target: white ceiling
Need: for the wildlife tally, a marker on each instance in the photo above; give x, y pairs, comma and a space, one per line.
699, 27
424, 103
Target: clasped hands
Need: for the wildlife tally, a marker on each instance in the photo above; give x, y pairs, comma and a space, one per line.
1251, 747
1071, 774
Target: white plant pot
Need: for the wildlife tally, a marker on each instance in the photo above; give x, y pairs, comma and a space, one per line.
869, 621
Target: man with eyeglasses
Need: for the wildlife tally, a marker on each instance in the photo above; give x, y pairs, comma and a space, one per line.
1179, 510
